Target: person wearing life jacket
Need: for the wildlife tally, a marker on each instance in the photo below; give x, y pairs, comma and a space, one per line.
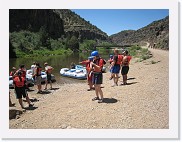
23, 71
125, 66
48, 70
116, 64
37, 75
97, 77
89, 72
19, 85
111, 67
13, 71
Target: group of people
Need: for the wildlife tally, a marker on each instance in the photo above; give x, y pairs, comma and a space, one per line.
20, 84
119, 62
94, 65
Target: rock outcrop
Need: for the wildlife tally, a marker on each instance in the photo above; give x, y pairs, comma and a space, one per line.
156, 33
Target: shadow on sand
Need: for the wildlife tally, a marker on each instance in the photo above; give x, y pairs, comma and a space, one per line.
131, 78
110, 100
30, 108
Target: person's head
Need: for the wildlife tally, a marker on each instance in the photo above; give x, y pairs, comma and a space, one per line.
13, 68
91, 58
45, 64
125, 52
111, 56
37, 64
34, 63
116, 51
95, 54
22, 66
19, 73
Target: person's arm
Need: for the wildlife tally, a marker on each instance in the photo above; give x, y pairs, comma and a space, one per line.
84, 62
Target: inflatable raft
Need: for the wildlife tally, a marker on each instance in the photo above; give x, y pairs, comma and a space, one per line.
78, 73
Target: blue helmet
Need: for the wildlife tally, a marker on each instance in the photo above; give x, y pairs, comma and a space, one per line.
91, 58
111, 56
94, 53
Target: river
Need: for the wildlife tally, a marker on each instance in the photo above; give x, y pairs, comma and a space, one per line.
56, 61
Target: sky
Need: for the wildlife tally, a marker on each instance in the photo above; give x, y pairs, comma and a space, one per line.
112, 21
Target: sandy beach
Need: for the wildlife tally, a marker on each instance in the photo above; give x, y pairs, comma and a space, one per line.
142, 104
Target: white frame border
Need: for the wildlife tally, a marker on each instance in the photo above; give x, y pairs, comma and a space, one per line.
171, 133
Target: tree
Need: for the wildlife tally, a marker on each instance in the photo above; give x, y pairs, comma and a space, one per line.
12, 53
72, 43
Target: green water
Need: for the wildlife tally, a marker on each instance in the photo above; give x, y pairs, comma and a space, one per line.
57, 62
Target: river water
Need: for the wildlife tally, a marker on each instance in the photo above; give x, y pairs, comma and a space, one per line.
56, 61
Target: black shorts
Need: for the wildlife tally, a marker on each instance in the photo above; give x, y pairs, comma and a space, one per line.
97, 78
20, 91
48, 77
125, 70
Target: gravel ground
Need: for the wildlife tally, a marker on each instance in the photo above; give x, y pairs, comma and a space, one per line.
142, 104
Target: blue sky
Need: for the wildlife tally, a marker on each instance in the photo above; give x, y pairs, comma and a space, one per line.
112, 21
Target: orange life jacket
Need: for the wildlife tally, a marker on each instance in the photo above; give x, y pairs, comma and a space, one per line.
88, 68
99, 62
127, 61
19, 83
120, 58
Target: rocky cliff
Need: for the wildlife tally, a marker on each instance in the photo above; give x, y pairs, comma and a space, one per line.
156, 33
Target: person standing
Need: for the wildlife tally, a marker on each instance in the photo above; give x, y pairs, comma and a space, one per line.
125, 66
13, 71
23, 71
19, 85
111, 67
116, 66
89, 72
97, 78
48, 70
33, 66
37, 75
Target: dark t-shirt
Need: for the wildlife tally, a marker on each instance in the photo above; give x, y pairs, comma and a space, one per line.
115, 59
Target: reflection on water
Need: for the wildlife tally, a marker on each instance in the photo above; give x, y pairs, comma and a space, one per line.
58, 62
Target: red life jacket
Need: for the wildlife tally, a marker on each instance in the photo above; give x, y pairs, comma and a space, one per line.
99, 62
19, 83
88, 67
127, 61
120, 58
23, 73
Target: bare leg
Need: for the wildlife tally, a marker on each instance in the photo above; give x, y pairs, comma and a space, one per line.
51, 84
21, 102
96, 90
28, 100
45, 85
116, 79
100, 91
125, 79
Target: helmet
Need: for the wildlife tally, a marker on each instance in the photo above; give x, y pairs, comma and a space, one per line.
111, 56
94, 53
91, 58
19, 73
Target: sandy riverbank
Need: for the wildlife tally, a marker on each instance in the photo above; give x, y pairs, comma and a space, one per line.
143, 103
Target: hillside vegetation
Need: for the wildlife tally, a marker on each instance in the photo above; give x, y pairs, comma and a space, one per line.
156, 33
44, 32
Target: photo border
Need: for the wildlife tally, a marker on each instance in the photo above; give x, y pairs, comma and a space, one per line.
171, 133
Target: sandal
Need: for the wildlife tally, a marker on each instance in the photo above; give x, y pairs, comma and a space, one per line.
101, 101
96, 98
